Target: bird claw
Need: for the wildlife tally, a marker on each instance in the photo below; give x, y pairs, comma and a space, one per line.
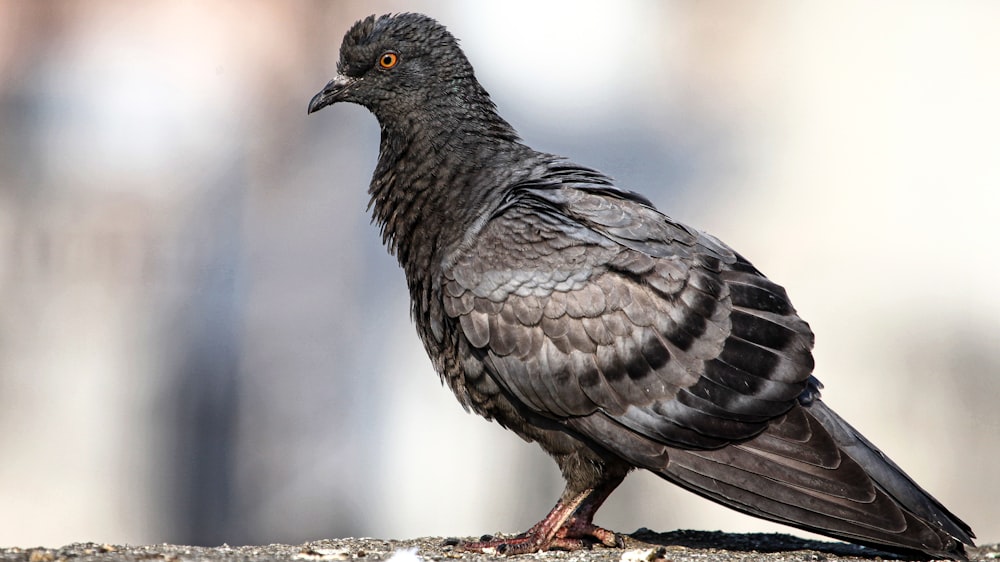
575, 535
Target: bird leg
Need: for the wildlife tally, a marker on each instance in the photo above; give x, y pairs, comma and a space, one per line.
569, 526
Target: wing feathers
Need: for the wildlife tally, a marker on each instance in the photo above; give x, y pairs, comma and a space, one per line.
659, 326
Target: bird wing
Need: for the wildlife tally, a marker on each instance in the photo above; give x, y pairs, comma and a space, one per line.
580, 298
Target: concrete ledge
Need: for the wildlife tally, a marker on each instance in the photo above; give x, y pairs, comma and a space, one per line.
641, 546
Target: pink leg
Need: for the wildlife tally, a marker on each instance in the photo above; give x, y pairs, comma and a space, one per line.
569, 526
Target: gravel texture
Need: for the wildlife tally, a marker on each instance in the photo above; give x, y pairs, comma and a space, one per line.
641, 546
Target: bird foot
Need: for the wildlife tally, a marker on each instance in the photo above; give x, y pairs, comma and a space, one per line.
574, 534
569, 526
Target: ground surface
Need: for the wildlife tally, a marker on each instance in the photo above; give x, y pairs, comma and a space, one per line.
641, 546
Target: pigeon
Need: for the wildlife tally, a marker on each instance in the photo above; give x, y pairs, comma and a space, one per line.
574, 313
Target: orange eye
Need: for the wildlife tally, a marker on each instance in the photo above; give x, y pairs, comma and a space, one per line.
388, 60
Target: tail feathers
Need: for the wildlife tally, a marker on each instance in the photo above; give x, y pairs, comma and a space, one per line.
889, 476
812, 470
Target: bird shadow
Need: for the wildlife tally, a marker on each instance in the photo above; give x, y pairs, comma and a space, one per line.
756, 542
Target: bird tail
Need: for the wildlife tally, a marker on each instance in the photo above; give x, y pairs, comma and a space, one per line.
810, 469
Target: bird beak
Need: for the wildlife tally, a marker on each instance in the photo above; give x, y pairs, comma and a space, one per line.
331, 93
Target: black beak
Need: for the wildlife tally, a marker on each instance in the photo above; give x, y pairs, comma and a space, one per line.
330, 93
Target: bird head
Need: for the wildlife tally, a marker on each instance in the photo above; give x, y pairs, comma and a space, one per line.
396, 63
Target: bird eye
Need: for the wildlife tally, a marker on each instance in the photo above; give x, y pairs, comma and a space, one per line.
388, 60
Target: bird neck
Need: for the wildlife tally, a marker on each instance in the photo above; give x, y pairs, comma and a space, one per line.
435, 175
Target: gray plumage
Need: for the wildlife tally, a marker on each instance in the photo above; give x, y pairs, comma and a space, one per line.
575, 314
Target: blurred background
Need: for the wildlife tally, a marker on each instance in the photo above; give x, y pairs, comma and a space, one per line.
203, 341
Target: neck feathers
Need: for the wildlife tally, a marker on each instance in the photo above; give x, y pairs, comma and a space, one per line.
432, 176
